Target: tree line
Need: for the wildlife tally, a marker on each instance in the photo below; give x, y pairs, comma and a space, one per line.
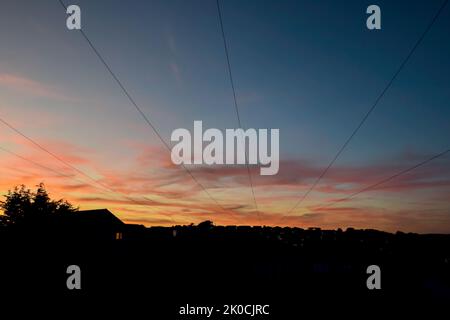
22, 206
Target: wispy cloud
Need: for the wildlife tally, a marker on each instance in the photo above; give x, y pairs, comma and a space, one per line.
29, 86
160, 188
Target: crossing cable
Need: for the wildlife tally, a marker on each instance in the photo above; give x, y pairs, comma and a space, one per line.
372, 108
58, 173
53, 155
139, 110
61, 174
230, 74
383, 181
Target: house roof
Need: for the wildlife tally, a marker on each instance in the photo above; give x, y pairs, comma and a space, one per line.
99, 217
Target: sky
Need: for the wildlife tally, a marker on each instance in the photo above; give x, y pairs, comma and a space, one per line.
308, 68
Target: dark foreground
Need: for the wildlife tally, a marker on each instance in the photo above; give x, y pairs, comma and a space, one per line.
157, 271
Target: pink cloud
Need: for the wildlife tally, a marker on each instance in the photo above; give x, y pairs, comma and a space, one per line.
30, 86
151, 174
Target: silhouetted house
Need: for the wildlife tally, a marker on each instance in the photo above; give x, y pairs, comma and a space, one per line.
99, 224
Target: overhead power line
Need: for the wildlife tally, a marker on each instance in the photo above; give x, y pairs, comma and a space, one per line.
61, 174
53, 155
383, 181
139, 110
65, 175
372, 108
58, 173
230, 74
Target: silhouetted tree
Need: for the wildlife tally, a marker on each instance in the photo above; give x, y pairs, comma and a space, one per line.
206, 225
23, 206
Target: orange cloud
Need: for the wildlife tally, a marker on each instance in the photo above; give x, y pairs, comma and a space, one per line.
176, 198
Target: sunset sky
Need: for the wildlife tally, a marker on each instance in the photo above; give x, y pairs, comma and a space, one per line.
309, 68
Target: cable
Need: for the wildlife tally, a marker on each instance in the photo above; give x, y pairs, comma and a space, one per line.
136, 106
63, 161
45, 167
427, 29
53, 154
75, 179
387, 179
60, 173
230, 74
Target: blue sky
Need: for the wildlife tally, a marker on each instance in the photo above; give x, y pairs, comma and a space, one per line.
310, 68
